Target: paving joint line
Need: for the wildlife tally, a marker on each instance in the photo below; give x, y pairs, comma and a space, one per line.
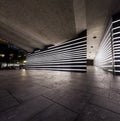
84, 107
105, 108
13, 96
40, 112
60, 104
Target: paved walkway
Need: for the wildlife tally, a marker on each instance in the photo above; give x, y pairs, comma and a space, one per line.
59, 96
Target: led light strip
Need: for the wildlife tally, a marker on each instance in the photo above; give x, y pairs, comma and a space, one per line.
116, 38
116, 45
115, 33
117, 71
116, 21
116, 65
60, 69
116, 28
66, 66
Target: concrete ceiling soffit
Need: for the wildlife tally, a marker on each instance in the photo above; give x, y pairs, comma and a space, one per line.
80, 15
48, 21
25, 36
14, 39
98, 14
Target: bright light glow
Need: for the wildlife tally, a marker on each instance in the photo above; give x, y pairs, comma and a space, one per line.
25, 61
110, 70
23, 72
2, 55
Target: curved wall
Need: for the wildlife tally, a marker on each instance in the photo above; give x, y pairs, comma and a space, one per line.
68, 56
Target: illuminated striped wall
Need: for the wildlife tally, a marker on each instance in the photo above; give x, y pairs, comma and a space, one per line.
104, 57
68, 56
116, 43
108, 56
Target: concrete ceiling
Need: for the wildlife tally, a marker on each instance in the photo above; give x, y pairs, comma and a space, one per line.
32, 24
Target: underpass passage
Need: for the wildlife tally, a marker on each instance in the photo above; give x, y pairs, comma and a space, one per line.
43, 95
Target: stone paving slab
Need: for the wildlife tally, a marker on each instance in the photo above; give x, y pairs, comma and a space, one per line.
106, 103
95, 113
32, 95
55, 113
7, 102
25, 111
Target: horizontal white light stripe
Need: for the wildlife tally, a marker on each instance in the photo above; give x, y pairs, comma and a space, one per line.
62, 44
116, 60
116, 28
117, 71
110, 70
114, 38
116, 52
66, 66
84, 70
116, 65
116, 56
116, 42
115, 33
116, 45
116, 48
116, 21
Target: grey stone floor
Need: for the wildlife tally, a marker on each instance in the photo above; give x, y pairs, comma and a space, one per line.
59, 96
